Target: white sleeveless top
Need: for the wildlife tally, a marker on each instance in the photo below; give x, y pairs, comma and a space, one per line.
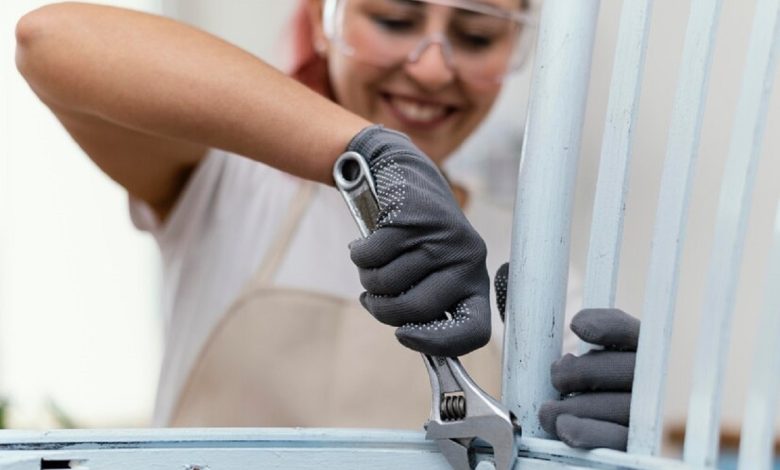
220, 230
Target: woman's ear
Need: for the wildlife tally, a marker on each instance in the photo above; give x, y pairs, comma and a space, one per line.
320, 41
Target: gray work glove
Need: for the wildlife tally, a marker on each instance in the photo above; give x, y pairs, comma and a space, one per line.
424, 259
596, 387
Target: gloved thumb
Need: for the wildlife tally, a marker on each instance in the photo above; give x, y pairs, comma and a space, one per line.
500, 283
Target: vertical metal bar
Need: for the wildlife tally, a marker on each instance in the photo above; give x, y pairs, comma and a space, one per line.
622, 109
755, 447
703, 425
669, 233
542, 217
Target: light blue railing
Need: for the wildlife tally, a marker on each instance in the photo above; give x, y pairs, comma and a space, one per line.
539, 274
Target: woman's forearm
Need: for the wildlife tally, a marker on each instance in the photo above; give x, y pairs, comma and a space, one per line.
161, 77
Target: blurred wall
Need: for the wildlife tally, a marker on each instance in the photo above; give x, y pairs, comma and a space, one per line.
257, 26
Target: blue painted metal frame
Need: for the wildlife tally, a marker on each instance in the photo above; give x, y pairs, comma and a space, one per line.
736, 193
669, 232
549, 150
538, 272
234, 449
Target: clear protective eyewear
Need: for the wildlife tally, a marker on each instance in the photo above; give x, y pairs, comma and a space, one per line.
480, 41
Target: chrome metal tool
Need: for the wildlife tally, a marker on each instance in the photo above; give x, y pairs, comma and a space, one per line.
462, 414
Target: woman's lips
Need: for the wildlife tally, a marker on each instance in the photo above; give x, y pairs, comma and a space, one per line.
417, 113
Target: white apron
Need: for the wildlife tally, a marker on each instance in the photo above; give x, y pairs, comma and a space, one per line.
289, 357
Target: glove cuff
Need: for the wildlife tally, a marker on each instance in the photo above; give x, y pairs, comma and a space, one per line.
375, 141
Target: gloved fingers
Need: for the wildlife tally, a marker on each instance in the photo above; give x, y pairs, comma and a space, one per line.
419, 212
426, 301
399, 275
596, 371
608, 327
614, 407
380, 248
467, 330
586, 433
500, 284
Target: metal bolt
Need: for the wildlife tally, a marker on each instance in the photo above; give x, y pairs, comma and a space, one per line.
485, 465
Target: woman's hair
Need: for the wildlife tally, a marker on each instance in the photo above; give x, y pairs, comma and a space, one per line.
307, 65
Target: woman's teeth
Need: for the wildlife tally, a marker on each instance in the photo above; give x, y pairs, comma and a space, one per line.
416, 111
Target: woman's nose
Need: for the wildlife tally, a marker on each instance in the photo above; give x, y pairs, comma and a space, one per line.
430, 68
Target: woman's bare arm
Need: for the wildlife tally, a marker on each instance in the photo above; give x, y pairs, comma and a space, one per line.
145, 96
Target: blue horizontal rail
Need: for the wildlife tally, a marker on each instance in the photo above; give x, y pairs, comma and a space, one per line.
229, 449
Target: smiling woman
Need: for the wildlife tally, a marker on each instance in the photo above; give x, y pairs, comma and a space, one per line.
217, 151
214, 235
429, 69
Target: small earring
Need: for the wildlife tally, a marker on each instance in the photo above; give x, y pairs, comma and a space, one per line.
320, 47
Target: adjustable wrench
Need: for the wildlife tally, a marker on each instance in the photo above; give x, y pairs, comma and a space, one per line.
461, 412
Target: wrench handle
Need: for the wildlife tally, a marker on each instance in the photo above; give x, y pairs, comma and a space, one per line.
356, 185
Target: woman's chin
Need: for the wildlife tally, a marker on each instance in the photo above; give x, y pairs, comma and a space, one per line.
437, 145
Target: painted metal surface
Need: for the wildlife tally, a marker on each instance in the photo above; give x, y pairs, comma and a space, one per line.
703, 425
756, 444
537, 279
603, 257
226, 448
540, 250
669, 232
233, 449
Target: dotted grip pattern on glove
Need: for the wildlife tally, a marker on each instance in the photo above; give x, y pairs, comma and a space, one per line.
423, 268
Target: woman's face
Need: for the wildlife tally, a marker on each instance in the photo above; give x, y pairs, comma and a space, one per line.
425, 99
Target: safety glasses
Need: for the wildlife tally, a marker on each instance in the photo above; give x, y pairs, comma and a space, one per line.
480, 41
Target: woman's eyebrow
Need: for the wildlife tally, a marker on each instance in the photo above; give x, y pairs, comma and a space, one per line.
411, 3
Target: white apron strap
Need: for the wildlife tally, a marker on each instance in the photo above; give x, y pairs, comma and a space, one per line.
277, 250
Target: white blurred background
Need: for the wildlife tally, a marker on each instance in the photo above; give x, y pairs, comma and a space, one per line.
78, 297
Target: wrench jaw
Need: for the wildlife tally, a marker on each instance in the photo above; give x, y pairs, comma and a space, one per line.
482, 418
501, 438
457, 440
457, 452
